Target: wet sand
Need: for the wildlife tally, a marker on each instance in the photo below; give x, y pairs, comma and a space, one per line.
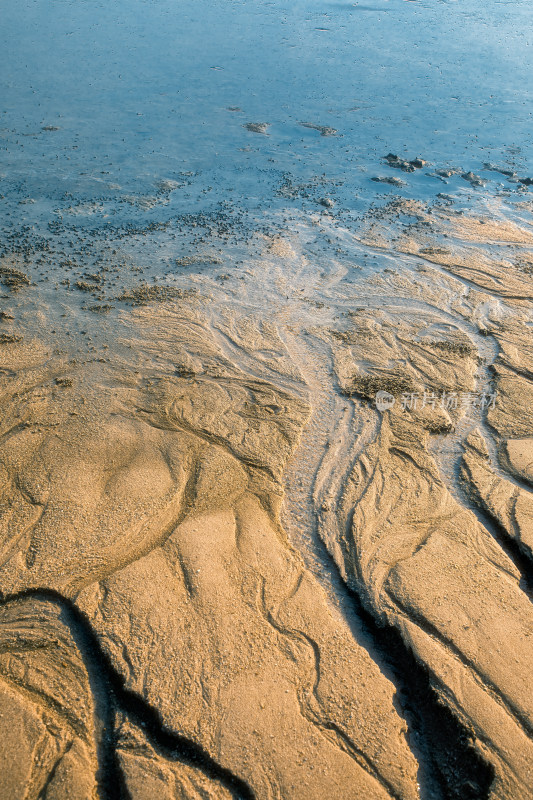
224, 571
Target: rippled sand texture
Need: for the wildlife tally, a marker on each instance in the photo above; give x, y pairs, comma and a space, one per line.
224, 573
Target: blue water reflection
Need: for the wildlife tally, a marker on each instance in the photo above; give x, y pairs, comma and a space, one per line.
140, 89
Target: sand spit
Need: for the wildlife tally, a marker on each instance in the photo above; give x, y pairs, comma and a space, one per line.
162, 631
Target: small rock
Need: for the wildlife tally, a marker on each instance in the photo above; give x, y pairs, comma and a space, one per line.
473, 179
257, 127
396, 162
324, 130
391, 180
494, 168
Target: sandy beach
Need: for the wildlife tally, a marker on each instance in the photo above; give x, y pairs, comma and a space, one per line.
266, 425
223, 564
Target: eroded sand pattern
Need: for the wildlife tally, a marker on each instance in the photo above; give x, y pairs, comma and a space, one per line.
266, 400
175, 507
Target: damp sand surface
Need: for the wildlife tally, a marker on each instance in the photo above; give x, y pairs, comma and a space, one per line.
224, 571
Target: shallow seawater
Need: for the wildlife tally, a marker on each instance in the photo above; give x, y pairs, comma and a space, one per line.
135, 134
102, 100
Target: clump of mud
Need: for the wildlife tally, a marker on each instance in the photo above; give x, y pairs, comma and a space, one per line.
10, 338
366, 386
144, 294
13, 278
